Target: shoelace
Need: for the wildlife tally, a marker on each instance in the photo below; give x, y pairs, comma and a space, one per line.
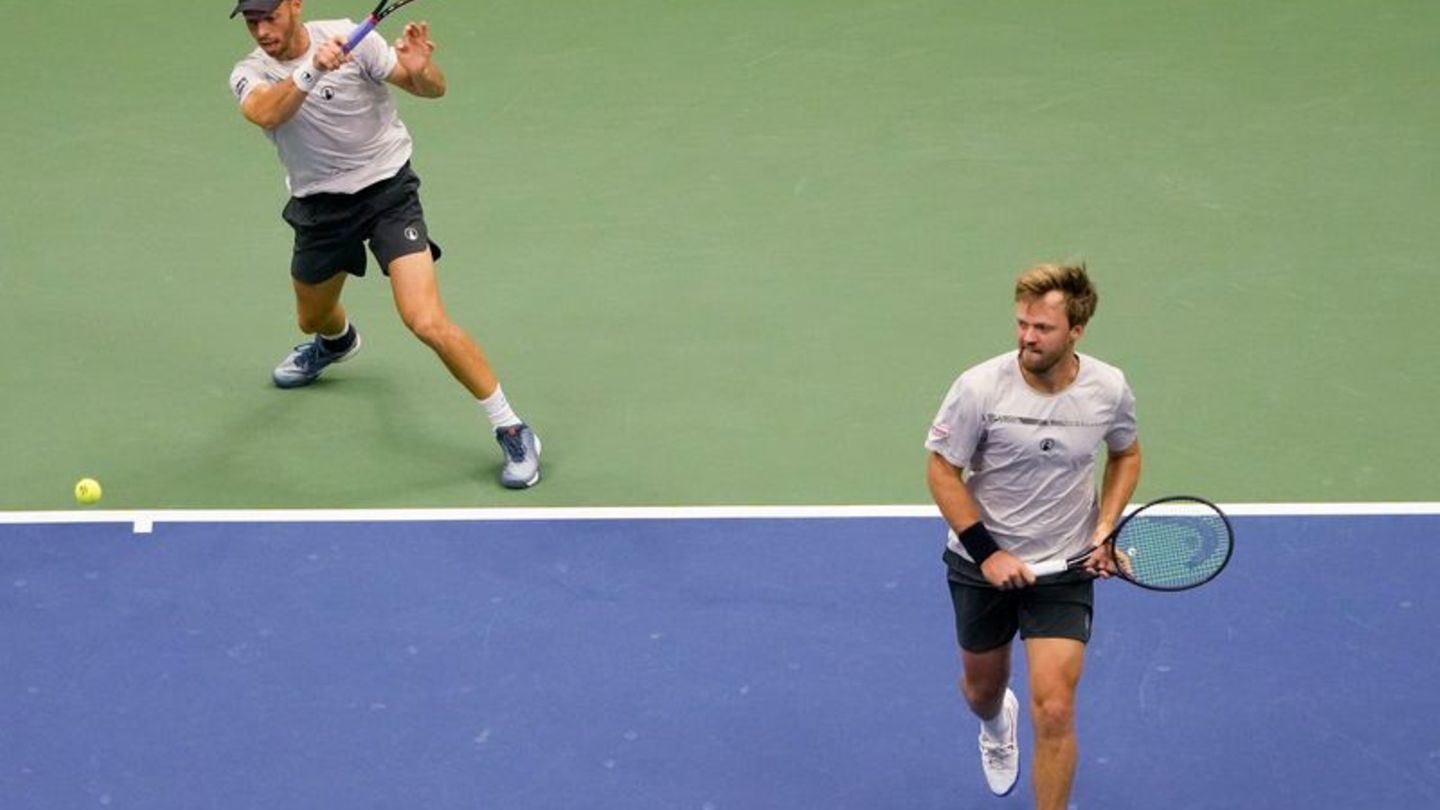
312, 354
514, 446
309, 355
997, 753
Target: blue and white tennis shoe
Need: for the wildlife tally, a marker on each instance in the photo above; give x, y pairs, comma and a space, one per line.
303, 365
522, 456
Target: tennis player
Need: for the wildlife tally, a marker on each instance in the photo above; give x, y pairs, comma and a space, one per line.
347, 161
1011, 467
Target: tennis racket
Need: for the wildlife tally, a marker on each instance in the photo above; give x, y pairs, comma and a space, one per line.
382, 10
1171, 544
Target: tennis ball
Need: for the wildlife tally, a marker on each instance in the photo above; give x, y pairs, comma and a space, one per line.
87, 491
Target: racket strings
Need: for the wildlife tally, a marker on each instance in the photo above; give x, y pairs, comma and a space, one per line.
1173, 551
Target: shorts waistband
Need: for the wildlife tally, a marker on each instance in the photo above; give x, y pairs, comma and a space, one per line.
369, 191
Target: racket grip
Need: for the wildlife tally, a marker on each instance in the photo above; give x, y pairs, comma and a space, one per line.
1045, 569
360, 33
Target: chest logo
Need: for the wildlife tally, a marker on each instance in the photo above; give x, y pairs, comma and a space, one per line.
1046, 445
327, 93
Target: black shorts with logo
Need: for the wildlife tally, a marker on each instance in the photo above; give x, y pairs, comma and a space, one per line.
331, 229
987, 618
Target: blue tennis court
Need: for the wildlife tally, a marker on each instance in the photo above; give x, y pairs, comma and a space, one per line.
681, 662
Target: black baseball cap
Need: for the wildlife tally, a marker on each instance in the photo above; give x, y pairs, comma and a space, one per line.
263, 6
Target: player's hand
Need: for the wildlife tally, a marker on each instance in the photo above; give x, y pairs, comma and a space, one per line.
1007, 572
331, 54
1102, 562
414, 47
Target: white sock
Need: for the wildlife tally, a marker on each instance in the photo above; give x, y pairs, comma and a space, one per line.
498, 410
997, 727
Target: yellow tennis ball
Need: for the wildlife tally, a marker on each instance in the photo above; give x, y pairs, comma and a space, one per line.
87, 491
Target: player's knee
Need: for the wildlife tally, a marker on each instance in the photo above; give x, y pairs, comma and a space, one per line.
431, 327
1053, 715
981, 693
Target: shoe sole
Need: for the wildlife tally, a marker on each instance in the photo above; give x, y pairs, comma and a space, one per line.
526, 484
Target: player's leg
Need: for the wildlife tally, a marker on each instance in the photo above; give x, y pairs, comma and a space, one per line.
329, 245
400, 240
1055, 624
985, 679
318, 308
1055, 667
401, 243
985, 623
417, 298
319, 313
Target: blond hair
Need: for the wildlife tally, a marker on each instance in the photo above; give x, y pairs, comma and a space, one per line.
1070, 279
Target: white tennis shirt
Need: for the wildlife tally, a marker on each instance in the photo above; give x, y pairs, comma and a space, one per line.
1029, 457
346, 135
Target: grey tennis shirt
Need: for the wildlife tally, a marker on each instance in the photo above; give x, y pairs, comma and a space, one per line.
1029, 457
346, 135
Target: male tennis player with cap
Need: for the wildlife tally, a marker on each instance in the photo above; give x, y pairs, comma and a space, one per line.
347, 159
1011, 467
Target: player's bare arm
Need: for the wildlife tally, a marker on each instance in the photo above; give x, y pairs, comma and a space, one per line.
271, 105
268, 106
947, 486
415, 70
1122, 473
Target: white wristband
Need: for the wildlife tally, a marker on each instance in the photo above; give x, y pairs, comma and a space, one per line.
307, 76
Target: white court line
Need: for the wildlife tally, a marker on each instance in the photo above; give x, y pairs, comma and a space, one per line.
143, 521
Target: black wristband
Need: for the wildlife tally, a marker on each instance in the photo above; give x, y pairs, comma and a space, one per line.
977, 542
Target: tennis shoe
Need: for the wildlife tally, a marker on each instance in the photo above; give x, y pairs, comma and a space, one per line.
1001, 758
522, 456
304, 364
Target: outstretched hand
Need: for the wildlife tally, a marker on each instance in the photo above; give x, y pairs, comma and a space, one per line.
414, 47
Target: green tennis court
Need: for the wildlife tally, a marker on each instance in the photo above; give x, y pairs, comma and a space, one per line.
734, 253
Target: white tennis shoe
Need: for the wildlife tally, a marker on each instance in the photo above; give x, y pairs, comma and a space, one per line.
1001, 758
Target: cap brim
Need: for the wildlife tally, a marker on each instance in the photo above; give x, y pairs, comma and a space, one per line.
265, 6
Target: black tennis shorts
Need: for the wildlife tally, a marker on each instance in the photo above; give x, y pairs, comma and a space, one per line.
987, 618
331, 229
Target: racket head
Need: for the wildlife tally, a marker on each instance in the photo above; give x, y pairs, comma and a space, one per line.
385, 8
1173, 544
